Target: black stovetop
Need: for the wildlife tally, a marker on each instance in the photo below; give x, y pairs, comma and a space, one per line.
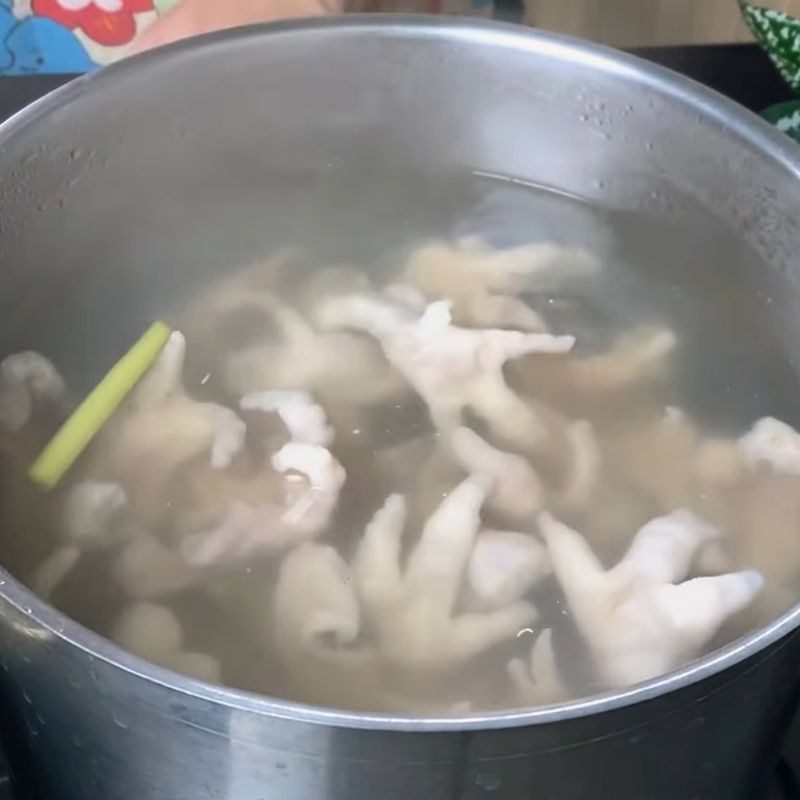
740, 71
785, 784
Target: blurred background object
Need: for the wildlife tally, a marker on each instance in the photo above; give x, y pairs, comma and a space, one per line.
73, 36
647, 23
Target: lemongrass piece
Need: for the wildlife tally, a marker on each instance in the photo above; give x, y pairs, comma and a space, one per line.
80, 429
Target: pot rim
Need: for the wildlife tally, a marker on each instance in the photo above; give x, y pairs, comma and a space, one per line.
735, 118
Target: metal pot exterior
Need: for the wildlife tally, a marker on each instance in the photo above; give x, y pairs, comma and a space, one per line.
93, 185
86, 728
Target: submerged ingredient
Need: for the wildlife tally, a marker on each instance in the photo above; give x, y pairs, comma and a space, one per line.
414, 496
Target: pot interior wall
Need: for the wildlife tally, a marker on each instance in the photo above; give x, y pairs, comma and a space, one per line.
137, 185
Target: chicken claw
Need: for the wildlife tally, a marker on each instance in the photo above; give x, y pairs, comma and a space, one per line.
504, 567
538, 681
91, 514
311, 500
161, 427
378, 634
54, 570
413, 611
305, 476
180, 469
325, 614
773, 444
318, 631
471, 266
340, 366
500, 311
315, 628
451, 368
304, 419
26, 379
482, 283
638, 620
90, 509
584, 475
153, 632
516, 490
636, 358
146, 569
637, 361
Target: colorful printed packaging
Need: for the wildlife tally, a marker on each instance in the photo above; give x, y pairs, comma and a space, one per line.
58, 36
74, 36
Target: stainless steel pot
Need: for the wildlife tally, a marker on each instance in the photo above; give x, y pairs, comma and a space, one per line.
112, 184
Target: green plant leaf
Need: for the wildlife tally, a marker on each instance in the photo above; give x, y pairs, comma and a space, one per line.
779, 34
785, 117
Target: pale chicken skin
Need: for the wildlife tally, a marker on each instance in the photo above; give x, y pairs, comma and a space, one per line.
412, 493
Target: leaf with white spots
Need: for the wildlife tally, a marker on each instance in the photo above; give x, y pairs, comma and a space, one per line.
779, 34
785, 117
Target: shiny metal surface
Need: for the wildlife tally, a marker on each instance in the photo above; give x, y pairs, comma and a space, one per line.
79, 173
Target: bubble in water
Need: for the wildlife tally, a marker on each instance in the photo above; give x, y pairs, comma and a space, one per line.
119, 722
488, 782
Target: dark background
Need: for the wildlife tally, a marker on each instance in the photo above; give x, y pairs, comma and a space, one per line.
742, 72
